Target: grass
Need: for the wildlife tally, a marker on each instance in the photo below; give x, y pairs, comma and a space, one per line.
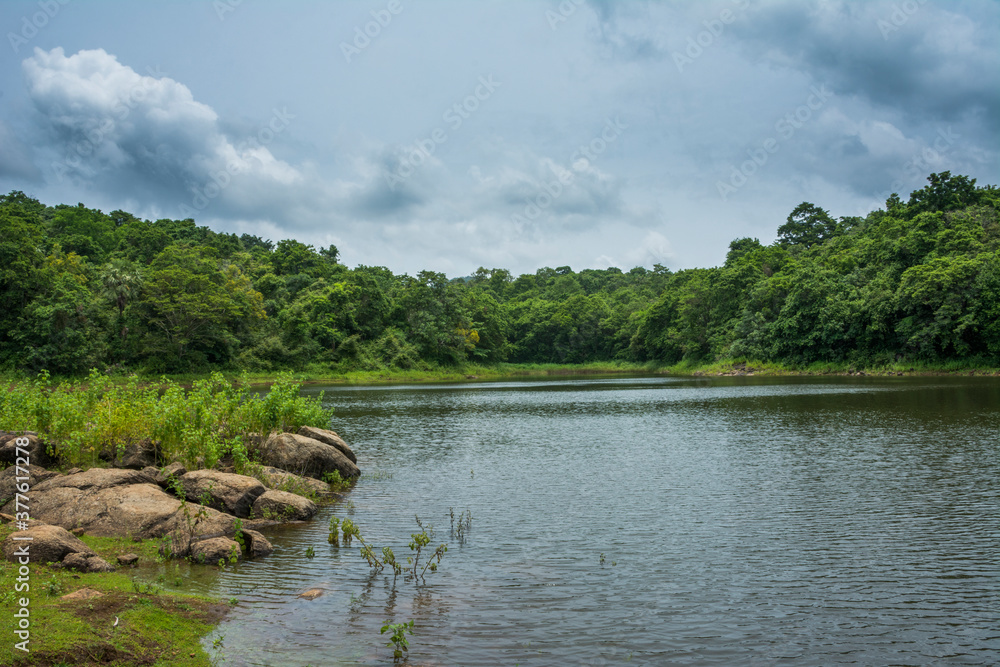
214, 418
154, 627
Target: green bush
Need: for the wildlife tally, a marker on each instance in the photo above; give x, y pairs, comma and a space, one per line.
213, 419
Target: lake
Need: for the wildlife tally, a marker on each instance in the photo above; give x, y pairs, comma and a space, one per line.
651, 521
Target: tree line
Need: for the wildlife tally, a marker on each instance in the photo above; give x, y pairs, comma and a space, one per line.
82, 289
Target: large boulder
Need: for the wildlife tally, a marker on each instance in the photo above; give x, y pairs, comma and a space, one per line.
48, 544
328, 437
110, 503
283, 505
35, 447
8, 483
234, 494
95, 479
215, 549
276, 478
305, 456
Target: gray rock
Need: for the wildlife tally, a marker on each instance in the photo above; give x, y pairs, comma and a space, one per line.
282, 480
94, 479
328, 437
283, 505
79, 562
8, 483
36, 448
48, 544
162, 476
128, 559
305, 456
234, 494
257, 546
109, 503
213, 549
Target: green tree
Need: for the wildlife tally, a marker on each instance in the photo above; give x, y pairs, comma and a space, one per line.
806, 226
192, 307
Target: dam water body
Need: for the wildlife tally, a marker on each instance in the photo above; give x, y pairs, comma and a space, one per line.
650, 521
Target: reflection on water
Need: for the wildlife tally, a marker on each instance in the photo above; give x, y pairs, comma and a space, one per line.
741, 520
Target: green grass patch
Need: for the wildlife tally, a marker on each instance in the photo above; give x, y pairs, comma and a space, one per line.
155, 627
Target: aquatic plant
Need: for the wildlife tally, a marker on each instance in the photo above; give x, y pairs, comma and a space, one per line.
398, 638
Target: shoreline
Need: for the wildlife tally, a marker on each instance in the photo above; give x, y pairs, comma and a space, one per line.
318, 376
683, 369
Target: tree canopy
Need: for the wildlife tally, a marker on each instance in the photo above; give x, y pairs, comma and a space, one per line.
81, 289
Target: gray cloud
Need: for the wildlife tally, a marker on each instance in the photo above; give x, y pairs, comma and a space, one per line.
145, 135
916, 98
926, 61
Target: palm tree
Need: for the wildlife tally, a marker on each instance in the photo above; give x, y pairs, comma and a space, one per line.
122, 281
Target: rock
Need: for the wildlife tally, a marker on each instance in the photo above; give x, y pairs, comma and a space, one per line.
135, 455
8, 483
213, 549
234, 494
73, 471
48, 544
305, 456
257, 545
82, 594
83, 563
36, 449
78, 532
162, 476
276, 478
311, 594
128, 559
330, 438
283, 505
97, 503
94, 479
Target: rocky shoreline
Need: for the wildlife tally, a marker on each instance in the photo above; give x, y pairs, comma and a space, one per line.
205, 515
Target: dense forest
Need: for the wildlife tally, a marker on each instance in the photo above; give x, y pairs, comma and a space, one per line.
82, 289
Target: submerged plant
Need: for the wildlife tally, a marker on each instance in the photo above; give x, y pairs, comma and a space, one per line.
334, 537
398, 638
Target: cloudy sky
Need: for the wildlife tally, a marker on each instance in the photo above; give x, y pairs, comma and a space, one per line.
425, 134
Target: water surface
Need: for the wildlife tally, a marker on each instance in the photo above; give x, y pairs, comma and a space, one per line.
804, 521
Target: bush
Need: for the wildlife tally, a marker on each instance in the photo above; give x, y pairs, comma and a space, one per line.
201, 425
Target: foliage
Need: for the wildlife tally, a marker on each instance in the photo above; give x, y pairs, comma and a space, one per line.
398, 638
80, 289
214, 419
